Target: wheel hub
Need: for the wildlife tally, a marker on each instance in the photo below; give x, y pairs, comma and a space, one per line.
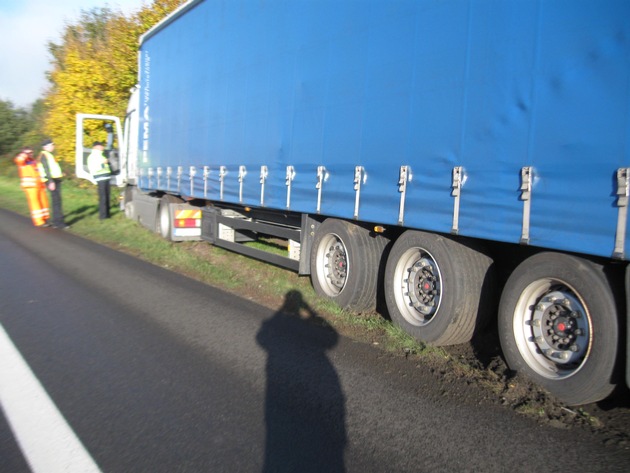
560, 329
337, 264
424, 287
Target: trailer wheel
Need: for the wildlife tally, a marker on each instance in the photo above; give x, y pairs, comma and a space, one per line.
345, 261
434, 285
558, 326
127, 204
130, 211
164, 215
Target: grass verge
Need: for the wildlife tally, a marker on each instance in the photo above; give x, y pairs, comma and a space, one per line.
235, 273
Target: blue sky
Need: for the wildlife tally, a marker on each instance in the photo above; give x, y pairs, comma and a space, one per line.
26, 27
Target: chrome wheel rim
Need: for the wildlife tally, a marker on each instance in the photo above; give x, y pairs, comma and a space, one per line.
332, 265
552, 328
418, 286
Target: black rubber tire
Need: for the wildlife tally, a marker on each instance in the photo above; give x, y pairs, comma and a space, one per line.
130, 211
128, 205
164, 217
434, 286
531, 298
353, 280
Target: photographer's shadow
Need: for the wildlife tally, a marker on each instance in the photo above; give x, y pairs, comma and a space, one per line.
304, 403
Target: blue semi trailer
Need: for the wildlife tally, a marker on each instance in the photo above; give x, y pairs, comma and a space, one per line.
463, 161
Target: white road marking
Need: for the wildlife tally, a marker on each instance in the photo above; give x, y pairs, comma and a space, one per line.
47, 441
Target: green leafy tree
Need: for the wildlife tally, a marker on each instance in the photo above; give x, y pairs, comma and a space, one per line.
34, 135
18, 128
14, 123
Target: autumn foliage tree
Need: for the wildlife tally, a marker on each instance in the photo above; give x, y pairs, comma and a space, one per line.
94, 68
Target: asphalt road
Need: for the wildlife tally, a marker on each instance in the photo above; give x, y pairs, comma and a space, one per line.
155, 372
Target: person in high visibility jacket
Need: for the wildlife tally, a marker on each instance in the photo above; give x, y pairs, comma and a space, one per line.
51, 175
31, 183
98, 165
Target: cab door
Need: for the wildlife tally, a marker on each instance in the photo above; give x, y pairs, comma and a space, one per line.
104, 128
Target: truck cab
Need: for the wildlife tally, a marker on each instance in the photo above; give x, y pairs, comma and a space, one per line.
120, 140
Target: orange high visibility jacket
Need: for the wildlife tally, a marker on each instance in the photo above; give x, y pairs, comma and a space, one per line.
28, 172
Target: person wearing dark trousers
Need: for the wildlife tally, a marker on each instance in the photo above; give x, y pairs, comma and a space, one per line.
51, 174
98, 165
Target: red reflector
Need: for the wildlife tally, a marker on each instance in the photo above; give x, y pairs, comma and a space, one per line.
187, 223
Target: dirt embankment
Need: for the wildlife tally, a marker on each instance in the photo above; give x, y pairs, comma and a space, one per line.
609, 420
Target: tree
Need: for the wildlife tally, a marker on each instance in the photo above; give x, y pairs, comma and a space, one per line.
34, 134
94, 68
14, 123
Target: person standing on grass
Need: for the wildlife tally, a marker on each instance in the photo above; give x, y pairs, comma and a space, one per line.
98, 165
51, 175
31, 183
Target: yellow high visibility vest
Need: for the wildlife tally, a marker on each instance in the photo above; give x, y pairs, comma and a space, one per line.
98, 166
53, 167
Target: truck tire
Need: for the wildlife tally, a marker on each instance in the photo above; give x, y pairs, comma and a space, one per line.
434, 285
345, 261
165, 218
558, 326
130, 211
128, 205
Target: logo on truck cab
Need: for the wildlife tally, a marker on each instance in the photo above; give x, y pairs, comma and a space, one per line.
145, 106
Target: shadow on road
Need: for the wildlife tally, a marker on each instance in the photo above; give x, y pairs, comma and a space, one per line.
304, 402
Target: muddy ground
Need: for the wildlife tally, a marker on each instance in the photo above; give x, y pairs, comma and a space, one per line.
476, 373
609, 420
